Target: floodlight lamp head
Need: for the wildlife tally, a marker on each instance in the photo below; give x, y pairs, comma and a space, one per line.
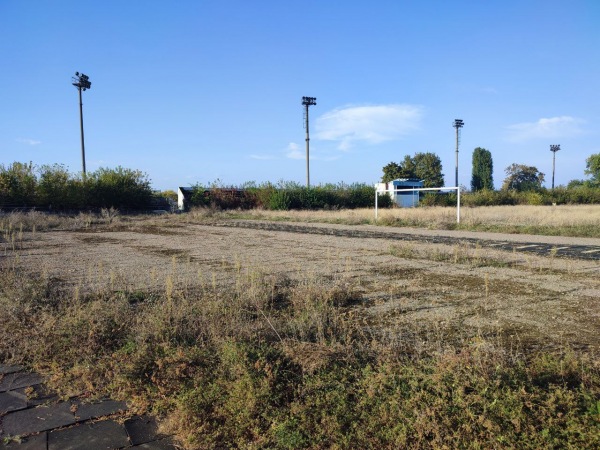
554, 148
81, 81
458, 123
308, 101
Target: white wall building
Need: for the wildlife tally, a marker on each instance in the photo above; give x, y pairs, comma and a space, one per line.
397, 190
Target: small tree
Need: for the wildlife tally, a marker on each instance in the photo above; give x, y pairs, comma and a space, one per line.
483, 168
592, 168
520, 177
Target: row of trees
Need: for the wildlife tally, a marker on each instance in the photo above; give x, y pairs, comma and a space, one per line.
519, 177
54, 187
424, 166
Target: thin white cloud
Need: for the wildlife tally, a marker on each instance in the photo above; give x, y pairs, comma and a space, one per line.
294, 152
262, 157
550, 128
368, 124
28, 141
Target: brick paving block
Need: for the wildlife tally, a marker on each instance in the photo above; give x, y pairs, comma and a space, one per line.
17, 380
5, 369
107, 434
12, 401
142, 429
34, 420
36, 442
86, 411
163, 444
40, 394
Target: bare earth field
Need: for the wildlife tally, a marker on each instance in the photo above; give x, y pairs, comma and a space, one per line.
409, 289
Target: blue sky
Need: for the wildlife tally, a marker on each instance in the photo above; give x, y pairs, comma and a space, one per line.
195, 91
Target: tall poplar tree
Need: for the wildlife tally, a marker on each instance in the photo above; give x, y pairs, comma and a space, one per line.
483, 168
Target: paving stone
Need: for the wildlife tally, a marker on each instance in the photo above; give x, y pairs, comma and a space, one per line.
40, 394
36, 442
107, 434
42, 418
163, 444
4, 369
142, 429
87, 411
12, 401
18, 380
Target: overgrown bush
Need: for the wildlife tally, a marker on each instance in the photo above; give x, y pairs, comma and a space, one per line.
118, 188
53, 187
288, 195
560, 196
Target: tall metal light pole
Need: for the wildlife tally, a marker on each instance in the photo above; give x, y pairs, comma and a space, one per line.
458, 124
554, 149
306, 102
81, 82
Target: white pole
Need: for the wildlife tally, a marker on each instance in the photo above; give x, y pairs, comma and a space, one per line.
376, 195
457, 204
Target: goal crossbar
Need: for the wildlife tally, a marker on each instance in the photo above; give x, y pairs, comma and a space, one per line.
394, 191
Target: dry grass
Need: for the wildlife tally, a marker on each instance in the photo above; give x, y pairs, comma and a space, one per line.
559, 216
567, 220
409, 346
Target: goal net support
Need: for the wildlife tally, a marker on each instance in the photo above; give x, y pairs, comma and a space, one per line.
393, 193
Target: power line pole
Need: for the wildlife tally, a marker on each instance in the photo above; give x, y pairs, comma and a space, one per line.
554, 149
458, 124
306, 102
81, 82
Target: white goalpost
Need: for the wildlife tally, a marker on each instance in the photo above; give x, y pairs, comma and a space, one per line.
395, 191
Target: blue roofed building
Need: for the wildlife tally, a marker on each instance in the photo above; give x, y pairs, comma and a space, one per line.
400, 191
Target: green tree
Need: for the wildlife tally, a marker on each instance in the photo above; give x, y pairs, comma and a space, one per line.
592, 168
17, 184
483, 168
391, 172
520, 177
428, 167
424, 166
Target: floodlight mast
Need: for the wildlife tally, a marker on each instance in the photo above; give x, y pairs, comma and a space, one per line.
554, 149
458, 124
81, 82
306, 102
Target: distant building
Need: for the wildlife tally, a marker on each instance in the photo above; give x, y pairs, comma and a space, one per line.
183, 197
399, 191
226, 198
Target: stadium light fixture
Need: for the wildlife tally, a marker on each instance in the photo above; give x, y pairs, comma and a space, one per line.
306, 102
554, 149
458, 124
82, 83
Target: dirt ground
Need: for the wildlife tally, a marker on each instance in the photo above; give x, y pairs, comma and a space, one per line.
414, 287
